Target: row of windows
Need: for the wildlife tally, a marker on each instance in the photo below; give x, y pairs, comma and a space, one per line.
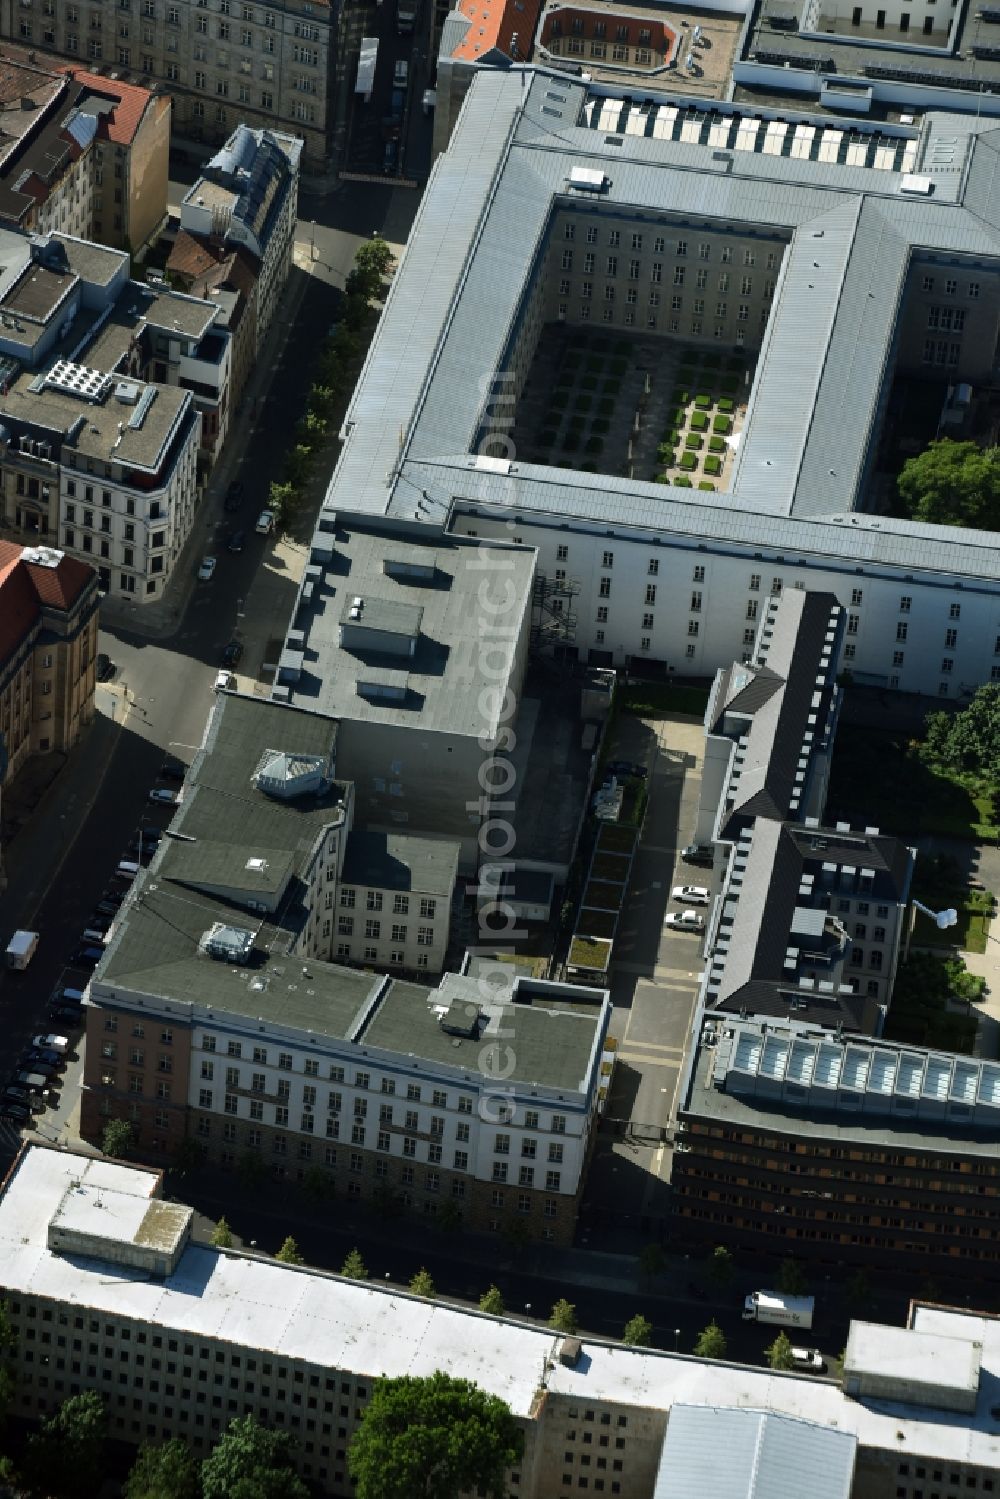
374, 901
678, 248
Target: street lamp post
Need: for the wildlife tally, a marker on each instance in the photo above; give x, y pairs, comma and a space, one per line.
941, 919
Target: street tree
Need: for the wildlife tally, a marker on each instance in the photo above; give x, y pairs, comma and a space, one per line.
638, 1331
652, 1261
422, 1284
289, 1254
967, 742
711, 1342
779, 1353
491, 1301
251, 1462
791, 1278
222, 1235
563, 1316
169, 1471
720, 1266
63, 1458
317, 1183
953, 484
354, 1266
117, 1138
432, 1438
374, 258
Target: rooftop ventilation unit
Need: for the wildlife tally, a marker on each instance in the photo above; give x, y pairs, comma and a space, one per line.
587, 180
227, 944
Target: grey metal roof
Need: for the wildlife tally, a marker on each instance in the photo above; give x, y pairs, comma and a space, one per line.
725, 1453
828, 189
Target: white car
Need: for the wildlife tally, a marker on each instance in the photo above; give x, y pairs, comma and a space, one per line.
51, 1043
685, 921
265, 522
810, 1359
207, 569
224, 682
164, 797
691, 895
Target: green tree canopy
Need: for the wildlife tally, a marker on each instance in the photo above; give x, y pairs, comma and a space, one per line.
289, 1254
251, 1462
432, 1438
791, 1278
422, 1284
63, 1458
967, 742
953, 484
779, 1354
117, 1137
638, 1331
491, 1301
222, 1235
711, 1342
651, 1261
563, 1316
354, 1266
169, 1471
374, 257
720, 1266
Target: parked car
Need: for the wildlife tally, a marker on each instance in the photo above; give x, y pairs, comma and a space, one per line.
236, 542
265, 522
809, 1359
627, 768
106, 908
234, 496
691, 895
233, 653
86, 957
106, 668
30, 1080
698, 853
100, 921
396, 102
67, 1015
14, 1112
224, 682
47, 1063
173, 770
685, 921
207, 569
390, 156
51, 1042
163, 797
35, 1103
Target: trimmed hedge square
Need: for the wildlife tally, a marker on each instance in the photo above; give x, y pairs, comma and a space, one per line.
571, 442
547, 438
600, 425
589, 382
577, 423
688, 462
595, 365
716, 444
725, 404
583, 403
594, 445
713, 465
693, 442
722, 424
606, 406
703, 484
729, 382
679, 417
680, 396
711, 361
703, 402
683, 483
699, 421
612, 387
735, 362
559, 400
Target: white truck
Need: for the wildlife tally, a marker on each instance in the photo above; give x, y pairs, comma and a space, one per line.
779, 1310
406, 15
21, 949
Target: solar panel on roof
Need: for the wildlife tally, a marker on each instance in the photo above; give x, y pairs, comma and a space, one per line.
796, 60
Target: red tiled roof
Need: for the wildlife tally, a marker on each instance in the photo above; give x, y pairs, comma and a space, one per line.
493, 23
27, 587
130, 104
191, 256
18, 599
60, 587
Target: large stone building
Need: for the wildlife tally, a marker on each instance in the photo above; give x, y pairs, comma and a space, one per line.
272, 64
48, 647
224, 1009
107, 1290
853, 256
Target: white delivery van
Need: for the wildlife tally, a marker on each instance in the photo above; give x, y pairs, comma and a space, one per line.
779, 1310
21, 949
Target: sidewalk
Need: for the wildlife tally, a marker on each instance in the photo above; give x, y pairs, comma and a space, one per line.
35, 853
162, 619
